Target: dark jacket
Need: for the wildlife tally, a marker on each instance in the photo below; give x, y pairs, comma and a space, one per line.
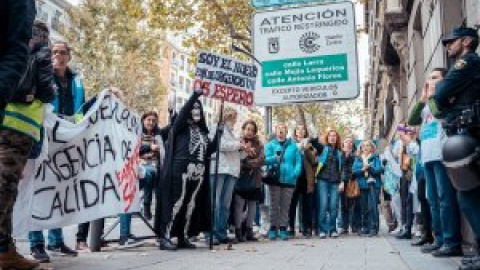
309, 165
462, 83
68, 101
253, 164
38, 77
347, 173
45, 91
170, 185
16, 22
329, 162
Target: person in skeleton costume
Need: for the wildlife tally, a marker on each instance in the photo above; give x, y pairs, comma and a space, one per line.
184, 202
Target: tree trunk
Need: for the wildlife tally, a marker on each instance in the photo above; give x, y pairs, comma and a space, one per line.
301, 115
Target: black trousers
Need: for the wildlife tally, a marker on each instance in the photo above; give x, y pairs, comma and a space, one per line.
407, 202
351, 212
82, 233
425, 214
305, 201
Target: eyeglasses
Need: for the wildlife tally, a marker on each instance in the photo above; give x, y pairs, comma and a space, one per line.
60, 52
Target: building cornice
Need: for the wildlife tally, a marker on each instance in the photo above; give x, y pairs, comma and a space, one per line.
63, 4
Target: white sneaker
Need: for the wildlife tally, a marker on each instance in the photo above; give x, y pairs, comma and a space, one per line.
397, 230
322, 235
129, 243
418, 234
334, 234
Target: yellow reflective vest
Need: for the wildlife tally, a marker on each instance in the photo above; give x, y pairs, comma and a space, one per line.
25, 118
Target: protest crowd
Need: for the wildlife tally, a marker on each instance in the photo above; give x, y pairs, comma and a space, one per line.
293, 184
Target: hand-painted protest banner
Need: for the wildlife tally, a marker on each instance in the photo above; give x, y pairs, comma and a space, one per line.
226, 78
86, 170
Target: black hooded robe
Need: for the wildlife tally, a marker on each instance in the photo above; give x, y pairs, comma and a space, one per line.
185, 202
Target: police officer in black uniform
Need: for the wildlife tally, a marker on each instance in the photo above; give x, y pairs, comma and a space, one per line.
454, 99
460, 88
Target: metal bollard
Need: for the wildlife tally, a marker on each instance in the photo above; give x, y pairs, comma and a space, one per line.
96, 231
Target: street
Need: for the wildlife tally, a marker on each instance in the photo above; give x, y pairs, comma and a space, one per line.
346, 252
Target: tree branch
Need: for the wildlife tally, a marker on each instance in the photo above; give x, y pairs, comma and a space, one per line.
226, 18
247, 47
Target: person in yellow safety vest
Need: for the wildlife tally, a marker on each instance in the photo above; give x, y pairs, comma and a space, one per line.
21, 110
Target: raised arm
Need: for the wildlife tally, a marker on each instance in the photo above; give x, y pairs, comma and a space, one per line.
181, 121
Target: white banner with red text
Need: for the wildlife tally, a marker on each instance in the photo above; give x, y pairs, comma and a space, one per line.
85, 171
226, 78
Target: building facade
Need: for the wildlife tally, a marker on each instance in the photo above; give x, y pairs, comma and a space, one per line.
405, 45
54, 14
178, 74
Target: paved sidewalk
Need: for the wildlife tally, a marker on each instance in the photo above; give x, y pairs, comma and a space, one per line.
349, 252
415, 259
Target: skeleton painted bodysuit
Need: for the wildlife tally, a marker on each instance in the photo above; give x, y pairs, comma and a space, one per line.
185, 201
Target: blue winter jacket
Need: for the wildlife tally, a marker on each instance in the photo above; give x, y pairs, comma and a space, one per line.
78, 94
291, 166
374, 171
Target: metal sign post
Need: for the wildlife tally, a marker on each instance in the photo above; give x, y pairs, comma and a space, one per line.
218, 133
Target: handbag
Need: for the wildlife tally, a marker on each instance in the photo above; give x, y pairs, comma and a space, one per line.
405, 160
271, 176
352, 189
246, 186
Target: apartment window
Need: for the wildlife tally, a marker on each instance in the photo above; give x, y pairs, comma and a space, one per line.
182, 61
174, 56
181, 83
172, 79
41, 14
180, 101
56, 20
39, 5
188, 85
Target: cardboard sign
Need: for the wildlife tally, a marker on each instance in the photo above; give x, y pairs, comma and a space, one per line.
226, 78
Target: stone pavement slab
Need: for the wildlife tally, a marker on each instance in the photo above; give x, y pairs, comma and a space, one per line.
345, 253
348, 252
415, 259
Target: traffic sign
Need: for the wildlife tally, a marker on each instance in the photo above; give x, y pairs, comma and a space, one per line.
271, 3
307, 54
